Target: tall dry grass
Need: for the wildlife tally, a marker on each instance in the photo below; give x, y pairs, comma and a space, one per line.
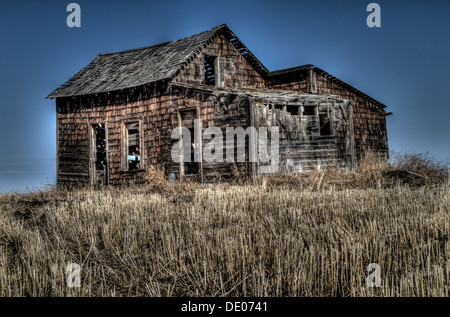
403, 169
228, 240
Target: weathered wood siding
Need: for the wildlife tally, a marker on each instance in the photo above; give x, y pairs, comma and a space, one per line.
369, 121
234, 70
157, 107
296, 81
216, 110
74, 115
301, 146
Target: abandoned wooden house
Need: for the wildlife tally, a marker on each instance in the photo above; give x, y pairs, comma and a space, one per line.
116, 117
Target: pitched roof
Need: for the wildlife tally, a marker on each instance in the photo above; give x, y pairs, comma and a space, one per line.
136, 67
328, 76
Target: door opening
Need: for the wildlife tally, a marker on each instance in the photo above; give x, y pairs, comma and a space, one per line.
99, 158
193, 166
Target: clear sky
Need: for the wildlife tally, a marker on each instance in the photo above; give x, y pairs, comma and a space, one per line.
405, 64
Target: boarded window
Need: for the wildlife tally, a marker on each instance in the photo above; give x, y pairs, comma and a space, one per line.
210, 69
133, 146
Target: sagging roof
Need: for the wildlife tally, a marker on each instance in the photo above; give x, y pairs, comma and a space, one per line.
328, 76
136, 67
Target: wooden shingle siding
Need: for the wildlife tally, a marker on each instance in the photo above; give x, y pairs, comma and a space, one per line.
234, 70
369, 118
301, 147
215, 111
147, 103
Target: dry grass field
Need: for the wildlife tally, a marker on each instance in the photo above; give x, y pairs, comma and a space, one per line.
308, 235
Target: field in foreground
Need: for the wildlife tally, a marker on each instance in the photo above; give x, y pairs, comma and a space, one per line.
234, 241
228, 240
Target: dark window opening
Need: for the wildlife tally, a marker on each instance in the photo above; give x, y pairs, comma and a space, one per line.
293, 110
309, 110
210, 70
100, 146
325, 126
133, 146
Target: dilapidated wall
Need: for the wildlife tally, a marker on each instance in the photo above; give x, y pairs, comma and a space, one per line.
146, 104
215, 109
303, 145
157, 108
161, 108
369, 119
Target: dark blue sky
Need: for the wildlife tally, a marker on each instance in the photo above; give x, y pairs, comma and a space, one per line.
405, 64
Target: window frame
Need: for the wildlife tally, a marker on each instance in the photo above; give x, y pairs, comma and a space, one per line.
215, 65
125, 147
330, 124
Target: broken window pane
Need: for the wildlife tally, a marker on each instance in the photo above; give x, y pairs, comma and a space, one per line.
133, 146
325, 126
309, 110
210, 71
293, 110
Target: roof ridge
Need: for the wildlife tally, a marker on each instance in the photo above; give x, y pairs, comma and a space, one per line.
134, 49
290, 69
216, 28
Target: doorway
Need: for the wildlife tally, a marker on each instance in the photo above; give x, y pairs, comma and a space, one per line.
98, 155
191, 167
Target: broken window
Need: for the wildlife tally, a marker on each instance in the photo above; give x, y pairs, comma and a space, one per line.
325, 126
309, 110
210, 69
132, 146
293, 110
